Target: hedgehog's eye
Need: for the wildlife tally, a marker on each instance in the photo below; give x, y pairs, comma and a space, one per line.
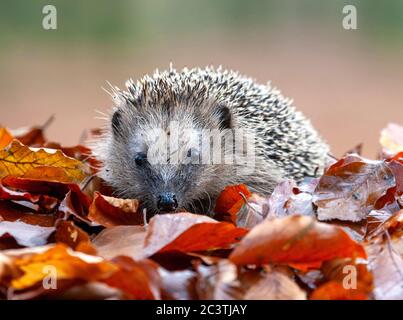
140, 159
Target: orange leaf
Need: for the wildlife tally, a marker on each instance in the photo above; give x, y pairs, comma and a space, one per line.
231, 201
5, 138
188, 232
67, 265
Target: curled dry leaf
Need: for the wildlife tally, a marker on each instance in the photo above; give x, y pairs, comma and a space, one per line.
251, 213
350, 188
186, 232
288, 199
22, 161
299, 241
109, 211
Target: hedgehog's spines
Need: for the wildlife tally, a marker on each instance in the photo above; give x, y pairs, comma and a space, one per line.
285, 137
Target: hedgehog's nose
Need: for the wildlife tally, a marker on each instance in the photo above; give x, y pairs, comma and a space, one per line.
167, 202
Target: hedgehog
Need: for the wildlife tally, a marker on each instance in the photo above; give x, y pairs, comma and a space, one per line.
159, 148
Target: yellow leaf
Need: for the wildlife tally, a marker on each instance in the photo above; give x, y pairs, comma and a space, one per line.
64, 264
5, 138
48, 164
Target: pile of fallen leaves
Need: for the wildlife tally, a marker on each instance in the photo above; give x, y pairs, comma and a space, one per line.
63, 235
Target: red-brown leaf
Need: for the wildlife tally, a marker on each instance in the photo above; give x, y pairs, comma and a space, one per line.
188, 232
109, 211
299, 241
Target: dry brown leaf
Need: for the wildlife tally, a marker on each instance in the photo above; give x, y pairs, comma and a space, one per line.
109, 211
350, 188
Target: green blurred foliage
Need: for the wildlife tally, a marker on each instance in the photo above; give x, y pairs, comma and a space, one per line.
141, 21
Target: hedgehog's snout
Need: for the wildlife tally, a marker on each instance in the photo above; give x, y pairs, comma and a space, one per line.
167, 202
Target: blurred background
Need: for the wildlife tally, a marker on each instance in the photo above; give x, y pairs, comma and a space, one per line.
349, 82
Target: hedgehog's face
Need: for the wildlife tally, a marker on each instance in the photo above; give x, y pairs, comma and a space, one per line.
162, 162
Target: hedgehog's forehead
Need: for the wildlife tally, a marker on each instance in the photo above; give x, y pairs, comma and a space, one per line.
176, 134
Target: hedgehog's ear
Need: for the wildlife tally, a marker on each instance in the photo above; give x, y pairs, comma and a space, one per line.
116, 122
225, 117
